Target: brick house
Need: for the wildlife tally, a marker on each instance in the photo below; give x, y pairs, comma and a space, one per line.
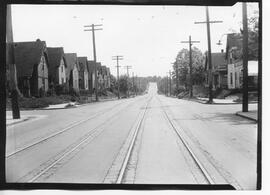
83, 73
31, 59
72, 71
58, 65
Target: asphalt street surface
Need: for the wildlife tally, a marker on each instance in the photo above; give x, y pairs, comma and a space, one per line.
148, 139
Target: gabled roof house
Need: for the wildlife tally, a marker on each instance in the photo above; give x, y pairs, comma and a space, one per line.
58, 65
31, 60
72, 70
83, 73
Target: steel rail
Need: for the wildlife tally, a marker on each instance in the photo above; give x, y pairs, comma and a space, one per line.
197, 161
131, 145
72, 125
84, 139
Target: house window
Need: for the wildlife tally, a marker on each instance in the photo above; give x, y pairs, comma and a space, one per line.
231, 78
43, 83
62, 69
235, 76
62, 80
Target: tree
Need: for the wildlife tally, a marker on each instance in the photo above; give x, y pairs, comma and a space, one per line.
123, 84
253, 36
182, 66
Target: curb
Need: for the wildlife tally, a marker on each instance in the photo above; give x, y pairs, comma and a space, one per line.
18, 122
246, 117
205, 102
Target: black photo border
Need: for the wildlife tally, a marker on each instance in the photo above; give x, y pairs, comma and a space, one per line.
97, 186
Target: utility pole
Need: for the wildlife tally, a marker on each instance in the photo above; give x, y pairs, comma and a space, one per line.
136, 88
93, 29
167, 83
170, 84
127, 67
176, 76
10, 59
190, 65
210, 73
245, 58
133, 89
117, 58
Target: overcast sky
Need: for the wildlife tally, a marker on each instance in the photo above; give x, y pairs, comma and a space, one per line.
147, 36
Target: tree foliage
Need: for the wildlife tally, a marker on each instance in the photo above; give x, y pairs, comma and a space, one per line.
253, 36
181, 67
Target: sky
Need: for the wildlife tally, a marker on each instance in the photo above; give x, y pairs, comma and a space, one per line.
148, 37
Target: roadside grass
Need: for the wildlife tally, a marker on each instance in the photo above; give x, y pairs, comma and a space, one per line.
43, 102
34, 103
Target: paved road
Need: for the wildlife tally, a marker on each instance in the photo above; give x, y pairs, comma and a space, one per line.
149, 139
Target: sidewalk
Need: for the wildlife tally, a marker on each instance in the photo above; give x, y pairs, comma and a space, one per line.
251, 115
216, 101
24, 118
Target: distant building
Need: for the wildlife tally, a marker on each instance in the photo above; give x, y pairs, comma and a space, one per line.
72, 71
219, 70
108, 78
57, 66
31, 59
83, 73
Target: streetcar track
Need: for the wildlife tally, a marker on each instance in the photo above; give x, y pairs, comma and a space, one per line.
124, 165
192, 154
72, 125
92, 134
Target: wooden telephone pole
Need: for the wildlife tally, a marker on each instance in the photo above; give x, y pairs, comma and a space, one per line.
94, 53
117, 58
190, 65
245, 58
10, 59
210, 73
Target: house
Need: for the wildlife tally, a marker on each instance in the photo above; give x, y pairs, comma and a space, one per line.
99, 76
219, 70
58, 65
235, 75
104, 77
91, 75
83, 73
108, 78
235, 64
31, 59
72, 71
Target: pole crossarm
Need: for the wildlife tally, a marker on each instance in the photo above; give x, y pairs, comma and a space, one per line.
93, 25
92, 30
213, 21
